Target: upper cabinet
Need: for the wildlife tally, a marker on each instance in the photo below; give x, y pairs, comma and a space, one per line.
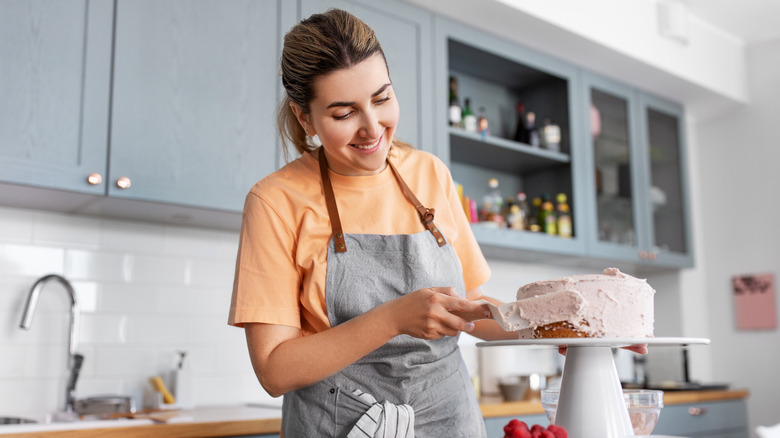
518, 92
619, 158
179, 111
194, 94
638, 188
55, 88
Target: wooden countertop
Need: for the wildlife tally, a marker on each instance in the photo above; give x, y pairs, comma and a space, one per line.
250, 420
495, 407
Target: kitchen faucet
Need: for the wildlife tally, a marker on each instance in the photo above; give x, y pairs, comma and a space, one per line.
74, 359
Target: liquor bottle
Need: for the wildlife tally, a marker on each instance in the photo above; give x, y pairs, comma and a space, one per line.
525, 211
550, 221
530, 126
492, 203
551, 135
515, 218
455, 112
521, 133
564, 217
538, 218
469, 119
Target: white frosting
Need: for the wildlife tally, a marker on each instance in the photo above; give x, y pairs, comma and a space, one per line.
615, 304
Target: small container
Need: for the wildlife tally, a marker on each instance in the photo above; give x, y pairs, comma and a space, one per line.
644, 407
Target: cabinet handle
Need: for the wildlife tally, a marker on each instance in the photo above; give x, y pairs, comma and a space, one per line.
694, 411
653, 255
643, 255
95, 178
123, 182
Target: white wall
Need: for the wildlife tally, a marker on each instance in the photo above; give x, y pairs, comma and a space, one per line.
145, 291
738, 154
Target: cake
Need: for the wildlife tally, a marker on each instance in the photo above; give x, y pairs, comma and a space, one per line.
614, 305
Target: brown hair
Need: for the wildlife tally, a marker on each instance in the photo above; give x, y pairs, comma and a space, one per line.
318, 45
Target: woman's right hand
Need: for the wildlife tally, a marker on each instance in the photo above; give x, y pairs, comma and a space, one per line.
434, 312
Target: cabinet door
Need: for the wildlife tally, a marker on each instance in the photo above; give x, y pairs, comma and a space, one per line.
54, 92
404, 32
710, 419
667, 203
194, 98
615, 227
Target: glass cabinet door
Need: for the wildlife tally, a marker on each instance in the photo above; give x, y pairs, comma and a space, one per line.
615, 228
667, 187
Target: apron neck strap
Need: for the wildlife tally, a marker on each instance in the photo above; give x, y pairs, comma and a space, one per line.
330, 202
426, 214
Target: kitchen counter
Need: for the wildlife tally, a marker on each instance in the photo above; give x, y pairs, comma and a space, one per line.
252, 420
495, 407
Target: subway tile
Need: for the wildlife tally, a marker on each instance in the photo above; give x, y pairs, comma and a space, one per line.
129, 298
98, 266
30, 260
124, 360
155, 329
16, 225
31, 397
66, 230
197, 242
132, 236
162, 270
104, 328
213, 273
13, 363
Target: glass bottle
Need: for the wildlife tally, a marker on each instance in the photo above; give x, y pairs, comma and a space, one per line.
492, 203
564, 217
455, 112
550, 221
521, 133
469, 119
530, 126
525, 210
551, 135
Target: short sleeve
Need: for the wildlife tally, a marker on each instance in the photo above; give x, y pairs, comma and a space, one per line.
266, 287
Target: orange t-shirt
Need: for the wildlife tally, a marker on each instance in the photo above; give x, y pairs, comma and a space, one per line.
282, 254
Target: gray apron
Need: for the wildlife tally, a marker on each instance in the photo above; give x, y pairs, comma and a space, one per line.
365, 270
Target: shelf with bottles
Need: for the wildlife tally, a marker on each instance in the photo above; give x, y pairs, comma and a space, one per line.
543, 214
506, 104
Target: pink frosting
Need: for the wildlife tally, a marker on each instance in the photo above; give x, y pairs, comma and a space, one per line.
615, 304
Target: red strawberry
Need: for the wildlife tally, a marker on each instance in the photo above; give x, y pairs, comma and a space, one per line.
558, 431
511, 426
536, 430
521, 432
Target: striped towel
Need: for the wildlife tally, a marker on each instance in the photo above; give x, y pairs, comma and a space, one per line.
383, 420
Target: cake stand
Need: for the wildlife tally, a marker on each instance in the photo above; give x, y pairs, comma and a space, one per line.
591, 404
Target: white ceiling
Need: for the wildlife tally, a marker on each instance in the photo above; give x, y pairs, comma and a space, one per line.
753, 21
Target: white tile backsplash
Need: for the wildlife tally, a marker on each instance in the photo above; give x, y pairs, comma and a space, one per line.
145, 292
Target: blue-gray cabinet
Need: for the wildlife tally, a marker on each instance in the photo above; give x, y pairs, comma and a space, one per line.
170, 101
55, 88
621, 161
495, 76
636, 174
193, 99
722, 419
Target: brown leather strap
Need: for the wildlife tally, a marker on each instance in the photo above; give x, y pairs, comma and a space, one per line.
426, 214
330, 202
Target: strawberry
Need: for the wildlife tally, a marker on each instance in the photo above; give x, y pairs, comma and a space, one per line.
521, 433
558, 431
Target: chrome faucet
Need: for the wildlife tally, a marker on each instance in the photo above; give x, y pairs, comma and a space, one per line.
74, 359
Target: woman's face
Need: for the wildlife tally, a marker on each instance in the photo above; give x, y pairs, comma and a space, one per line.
354, 113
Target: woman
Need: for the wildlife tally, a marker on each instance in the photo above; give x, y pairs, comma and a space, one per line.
352, 292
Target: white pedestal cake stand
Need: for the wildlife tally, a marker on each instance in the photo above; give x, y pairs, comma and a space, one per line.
590, 403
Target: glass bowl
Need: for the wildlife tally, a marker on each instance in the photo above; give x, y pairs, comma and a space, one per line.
644, 407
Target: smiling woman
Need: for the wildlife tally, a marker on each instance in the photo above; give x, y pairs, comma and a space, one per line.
357, 269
